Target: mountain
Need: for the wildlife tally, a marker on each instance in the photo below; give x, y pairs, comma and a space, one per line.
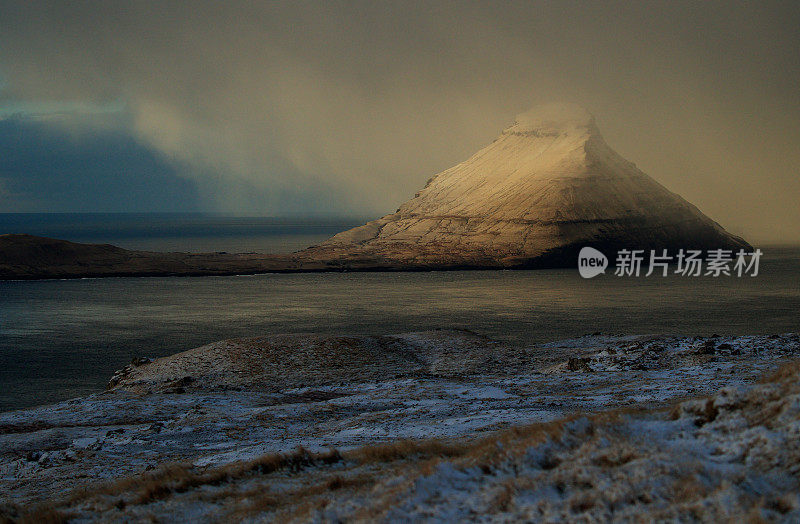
547, 186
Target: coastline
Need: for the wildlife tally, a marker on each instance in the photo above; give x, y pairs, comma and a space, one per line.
28, 257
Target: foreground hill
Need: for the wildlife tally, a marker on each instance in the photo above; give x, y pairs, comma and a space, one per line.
453, 428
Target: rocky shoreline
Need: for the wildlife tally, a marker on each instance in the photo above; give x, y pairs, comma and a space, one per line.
419, 425
28, 257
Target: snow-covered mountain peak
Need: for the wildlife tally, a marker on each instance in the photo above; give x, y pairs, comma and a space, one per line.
547, 186
553, 119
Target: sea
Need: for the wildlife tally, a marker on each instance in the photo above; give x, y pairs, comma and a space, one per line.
61, 339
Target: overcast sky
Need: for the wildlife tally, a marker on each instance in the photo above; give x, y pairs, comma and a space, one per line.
347, 108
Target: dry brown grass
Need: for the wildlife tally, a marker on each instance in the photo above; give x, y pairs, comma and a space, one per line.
703, 410
405, 449
504, 498
616, 456
298, 502
687, 488
182, 477
766, 407
45, 513
760, 408
487, 452
484, 453
786, 372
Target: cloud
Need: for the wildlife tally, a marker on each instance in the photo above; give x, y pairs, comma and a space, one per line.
45, 167
348, 107
5, 193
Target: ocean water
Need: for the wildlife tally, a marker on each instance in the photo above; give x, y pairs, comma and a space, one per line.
183, 232
64, 338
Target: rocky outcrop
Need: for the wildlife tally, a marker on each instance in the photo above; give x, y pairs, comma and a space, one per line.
294, 360
548, 185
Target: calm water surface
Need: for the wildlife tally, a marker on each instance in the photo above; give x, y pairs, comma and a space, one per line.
62, 339
187, 232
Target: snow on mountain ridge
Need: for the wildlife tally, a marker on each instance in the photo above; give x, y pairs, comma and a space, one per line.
552, 119
546, 186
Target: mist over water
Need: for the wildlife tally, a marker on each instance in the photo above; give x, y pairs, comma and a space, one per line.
62, 339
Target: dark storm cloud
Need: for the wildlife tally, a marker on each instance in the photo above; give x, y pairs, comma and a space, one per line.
45, 168
352, 106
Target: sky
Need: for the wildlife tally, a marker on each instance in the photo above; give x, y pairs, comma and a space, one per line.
347, 108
